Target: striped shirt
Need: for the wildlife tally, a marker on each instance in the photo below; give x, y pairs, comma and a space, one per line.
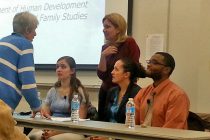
17, 76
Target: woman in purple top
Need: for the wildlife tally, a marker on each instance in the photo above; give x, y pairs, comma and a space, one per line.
117, 46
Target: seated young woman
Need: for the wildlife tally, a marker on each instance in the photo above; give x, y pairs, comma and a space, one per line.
58, 100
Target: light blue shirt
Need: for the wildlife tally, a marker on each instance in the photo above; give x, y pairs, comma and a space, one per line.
114, 109
59, 105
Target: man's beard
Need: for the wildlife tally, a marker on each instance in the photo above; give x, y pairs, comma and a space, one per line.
155, 76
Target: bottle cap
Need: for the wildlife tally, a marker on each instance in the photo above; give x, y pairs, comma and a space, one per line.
38, 94
130, 99
76, 95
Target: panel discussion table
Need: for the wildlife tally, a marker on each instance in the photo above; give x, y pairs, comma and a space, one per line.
113, 130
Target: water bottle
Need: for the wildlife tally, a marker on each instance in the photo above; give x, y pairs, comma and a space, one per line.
75, 105
39, 97
130, 113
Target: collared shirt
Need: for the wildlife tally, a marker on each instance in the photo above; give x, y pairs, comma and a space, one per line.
170, 105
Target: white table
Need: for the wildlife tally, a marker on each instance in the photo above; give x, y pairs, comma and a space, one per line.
114, 130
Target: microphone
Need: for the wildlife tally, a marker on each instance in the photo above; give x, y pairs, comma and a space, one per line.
148, 101
151, 99
65, 97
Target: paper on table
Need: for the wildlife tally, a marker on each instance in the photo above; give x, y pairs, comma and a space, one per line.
62, 119
38, 116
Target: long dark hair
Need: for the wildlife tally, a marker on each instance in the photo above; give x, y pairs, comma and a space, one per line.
136, 69
75, 83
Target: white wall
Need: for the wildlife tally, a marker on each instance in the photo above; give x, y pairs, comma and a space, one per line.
185, 23
183, 44
119, 6
203, 55
186, 27
149, 17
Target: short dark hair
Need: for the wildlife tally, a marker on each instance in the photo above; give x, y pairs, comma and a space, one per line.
168, 60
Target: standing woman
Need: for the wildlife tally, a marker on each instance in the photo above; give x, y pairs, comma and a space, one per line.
58, 100
117, 46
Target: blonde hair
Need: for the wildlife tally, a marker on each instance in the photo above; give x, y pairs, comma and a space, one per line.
119, 23
8, 130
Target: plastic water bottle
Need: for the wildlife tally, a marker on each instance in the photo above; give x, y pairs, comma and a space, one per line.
75, 105
39, 97
130, 113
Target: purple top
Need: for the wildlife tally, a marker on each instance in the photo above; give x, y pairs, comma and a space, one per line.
129, 49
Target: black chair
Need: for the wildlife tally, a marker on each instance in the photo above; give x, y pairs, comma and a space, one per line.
92, 112
26, 130
195, 122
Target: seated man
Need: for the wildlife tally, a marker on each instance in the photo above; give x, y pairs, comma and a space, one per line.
163, 103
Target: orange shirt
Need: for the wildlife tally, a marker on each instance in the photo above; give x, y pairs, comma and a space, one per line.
170, 105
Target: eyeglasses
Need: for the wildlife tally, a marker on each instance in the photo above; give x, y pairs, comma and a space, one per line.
153, 62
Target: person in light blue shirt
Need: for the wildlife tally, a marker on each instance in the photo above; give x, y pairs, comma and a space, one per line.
59, 97
17, 77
